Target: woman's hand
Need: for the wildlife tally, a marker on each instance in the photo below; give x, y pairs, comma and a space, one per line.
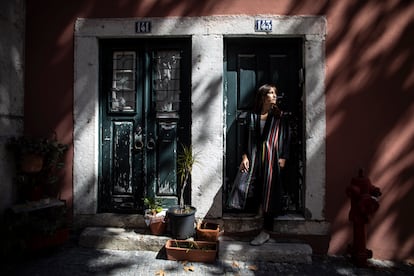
282, 163
244, 165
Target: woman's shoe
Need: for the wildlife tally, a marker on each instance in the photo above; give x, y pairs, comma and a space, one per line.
260, 239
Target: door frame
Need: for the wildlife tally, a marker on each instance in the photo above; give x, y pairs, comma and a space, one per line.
207, 81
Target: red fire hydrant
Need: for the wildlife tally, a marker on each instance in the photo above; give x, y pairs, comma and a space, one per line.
364, 203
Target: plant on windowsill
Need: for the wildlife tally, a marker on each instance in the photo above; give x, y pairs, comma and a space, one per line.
38, 163
182, 217
154, 215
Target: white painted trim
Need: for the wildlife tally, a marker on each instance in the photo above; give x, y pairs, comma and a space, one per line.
86, 125
240, 25
207, 35
315, 126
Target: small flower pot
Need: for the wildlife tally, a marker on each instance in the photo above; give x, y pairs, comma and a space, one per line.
31, 163
192, 251
156, 222
207, 231
157, 225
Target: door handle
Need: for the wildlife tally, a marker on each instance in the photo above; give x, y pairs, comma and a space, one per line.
138, 143
151, 144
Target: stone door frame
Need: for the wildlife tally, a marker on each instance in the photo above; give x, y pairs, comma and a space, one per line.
207, 35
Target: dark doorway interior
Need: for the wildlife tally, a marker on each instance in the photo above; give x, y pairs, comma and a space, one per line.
249, 63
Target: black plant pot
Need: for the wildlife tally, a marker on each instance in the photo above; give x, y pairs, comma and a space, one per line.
181, 222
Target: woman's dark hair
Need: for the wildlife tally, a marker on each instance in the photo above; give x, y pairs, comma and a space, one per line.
259, 99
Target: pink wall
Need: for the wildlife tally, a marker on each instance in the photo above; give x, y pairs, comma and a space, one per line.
369, 118
369, 95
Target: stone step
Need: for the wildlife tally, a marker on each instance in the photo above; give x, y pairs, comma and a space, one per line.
120, 239
270, 251
229, 248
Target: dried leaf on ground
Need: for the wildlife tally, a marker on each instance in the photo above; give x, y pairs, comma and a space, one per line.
252, 267
160, 273
235, 264
189, 268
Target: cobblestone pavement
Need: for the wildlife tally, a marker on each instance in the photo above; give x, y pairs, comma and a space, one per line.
73, 260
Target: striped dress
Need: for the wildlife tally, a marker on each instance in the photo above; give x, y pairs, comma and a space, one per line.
270, 145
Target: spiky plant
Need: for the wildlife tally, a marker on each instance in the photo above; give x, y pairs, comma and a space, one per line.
185, 162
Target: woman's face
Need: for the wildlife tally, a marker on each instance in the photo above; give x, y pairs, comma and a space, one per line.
270, 97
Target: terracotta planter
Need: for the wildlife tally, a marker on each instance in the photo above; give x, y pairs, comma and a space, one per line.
192, 251
157, 225
207, 231
31, 163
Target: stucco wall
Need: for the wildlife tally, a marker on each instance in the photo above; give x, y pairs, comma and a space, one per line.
12, 20
368, 91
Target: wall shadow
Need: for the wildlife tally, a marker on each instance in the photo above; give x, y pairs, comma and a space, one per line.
369, 99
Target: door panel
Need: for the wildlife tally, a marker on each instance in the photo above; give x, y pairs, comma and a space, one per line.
121, 117
249, 63
247, 79
167, 154
144, 114
122, 156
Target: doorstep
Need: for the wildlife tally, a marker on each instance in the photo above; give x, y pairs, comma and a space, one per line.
120, 239
230, 248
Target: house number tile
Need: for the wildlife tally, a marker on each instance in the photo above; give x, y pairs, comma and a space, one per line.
143, 26
263, 25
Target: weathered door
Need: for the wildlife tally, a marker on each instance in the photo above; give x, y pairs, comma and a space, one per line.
145, 116
249, 63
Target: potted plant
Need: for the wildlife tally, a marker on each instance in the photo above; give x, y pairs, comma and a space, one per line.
154, 215
192, 251
38, 162
182, 217
29, 152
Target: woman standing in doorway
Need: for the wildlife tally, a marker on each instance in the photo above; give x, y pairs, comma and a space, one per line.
268, 146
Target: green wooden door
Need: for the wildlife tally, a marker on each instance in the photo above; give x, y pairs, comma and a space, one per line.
145, 115
250, 63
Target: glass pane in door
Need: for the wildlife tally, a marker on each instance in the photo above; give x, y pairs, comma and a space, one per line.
123, 98
167, 83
